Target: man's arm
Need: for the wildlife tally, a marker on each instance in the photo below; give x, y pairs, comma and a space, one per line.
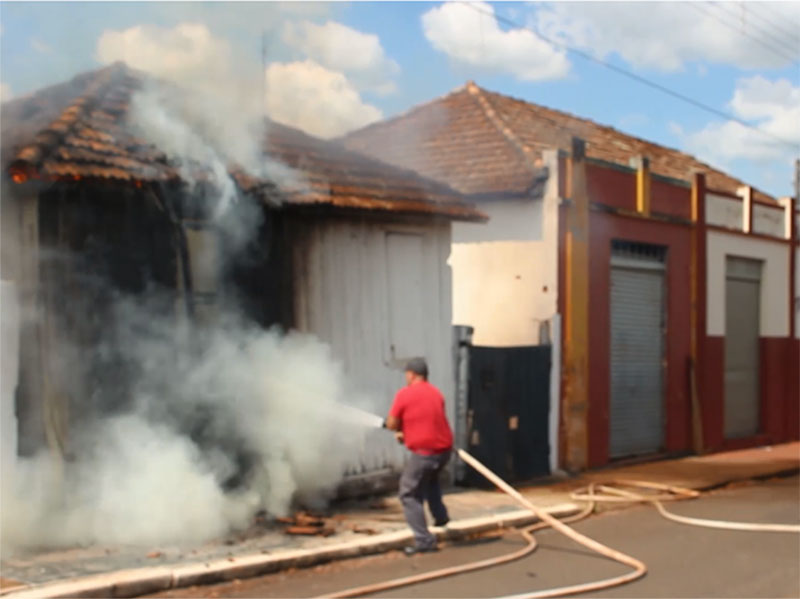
394, 424
394, 420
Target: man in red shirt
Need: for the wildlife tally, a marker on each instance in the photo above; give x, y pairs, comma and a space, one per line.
418, 415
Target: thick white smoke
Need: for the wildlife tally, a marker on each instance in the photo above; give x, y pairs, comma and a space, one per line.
205, 407
208, 424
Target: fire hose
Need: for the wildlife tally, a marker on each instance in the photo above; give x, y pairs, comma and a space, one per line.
613, 492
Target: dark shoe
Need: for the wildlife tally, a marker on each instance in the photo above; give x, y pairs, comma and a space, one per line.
441, 522
409, 551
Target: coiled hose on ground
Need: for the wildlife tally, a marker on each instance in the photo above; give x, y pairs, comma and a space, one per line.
614, 492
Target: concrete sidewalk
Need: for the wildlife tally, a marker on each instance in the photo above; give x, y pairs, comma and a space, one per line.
361, 528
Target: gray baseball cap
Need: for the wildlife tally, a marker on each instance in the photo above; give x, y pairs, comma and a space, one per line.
417, 366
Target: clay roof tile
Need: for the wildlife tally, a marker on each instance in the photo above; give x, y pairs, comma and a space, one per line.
484, 143
87, 136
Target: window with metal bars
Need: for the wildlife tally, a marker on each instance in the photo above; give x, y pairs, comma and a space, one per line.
635, 249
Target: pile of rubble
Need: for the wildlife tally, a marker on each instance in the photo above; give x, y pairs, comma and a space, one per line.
308, 523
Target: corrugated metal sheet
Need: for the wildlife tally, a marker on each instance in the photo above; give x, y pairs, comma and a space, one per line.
742, 313
405, 265
636, 414
353, 284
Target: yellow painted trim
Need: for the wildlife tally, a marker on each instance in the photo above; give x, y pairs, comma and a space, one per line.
643, 186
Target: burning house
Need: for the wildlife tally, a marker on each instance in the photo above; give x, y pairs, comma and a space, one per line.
315, 239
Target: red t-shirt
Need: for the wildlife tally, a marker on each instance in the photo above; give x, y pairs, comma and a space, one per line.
420, 410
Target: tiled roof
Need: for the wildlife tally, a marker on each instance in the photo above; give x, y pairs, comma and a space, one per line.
78, 130
334, 175
485, 143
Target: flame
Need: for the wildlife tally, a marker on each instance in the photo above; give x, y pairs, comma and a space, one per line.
139, 184
19, 177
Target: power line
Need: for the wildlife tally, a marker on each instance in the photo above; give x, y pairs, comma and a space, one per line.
752, 26
739, 30
794, 36
778, 16
748, 18
631, 75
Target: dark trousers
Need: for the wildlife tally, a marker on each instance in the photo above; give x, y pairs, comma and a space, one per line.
419, 483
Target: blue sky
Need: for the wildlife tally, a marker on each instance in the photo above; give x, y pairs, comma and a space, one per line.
336, 66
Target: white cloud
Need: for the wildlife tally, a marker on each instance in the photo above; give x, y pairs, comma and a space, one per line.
775, 108
340, 48
218, 116
5, 92
317, 100
307, 95
246, 21
475, 39
667, 35
186, 50
760, 98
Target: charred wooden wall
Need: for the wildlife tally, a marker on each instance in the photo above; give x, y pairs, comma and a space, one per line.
260, 277
97, 242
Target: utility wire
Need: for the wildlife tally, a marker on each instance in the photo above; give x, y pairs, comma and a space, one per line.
631, 75
780, 17
739, 28
794, 36
750, 19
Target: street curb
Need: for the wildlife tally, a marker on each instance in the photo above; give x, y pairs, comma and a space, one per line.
140, 581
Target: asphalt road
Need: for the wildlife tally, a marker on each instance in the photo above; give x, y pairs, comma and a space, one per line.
683, 561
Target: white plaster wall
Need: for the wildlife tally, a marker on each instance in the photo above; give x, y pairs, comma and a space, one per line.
505, 276
723, 211
769, 221
774, 281
342, 296
499, 290
509, 220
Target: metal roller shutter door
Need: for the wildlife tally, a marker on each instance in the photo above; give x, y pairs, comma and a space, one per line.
742, 381
636, 414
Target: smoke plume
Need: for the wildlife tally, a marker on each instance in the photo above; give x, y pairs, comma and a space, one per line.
201, 426
215, 424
